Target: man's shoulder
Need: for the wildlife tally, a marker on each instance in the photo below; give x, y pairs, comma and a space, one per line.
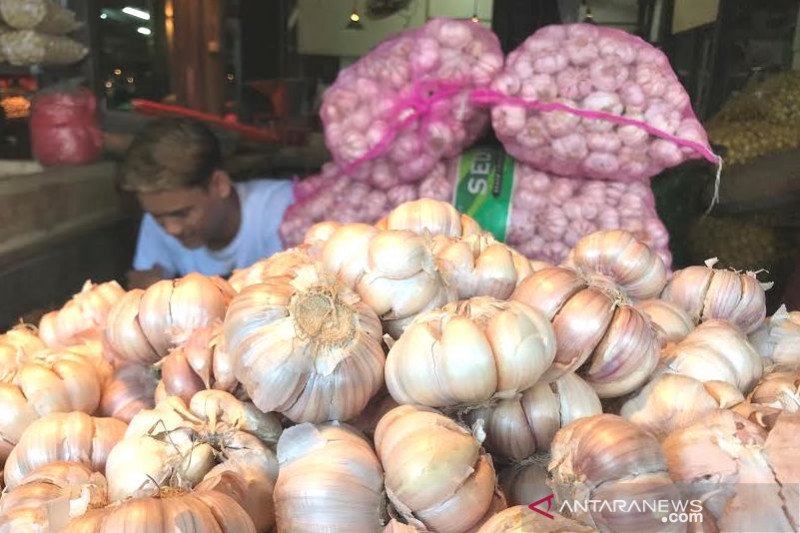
264, 186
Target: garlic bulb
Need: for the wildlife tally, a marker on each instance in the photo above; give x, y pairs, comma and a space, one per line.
620, 256
674, 401
437, 476
394, 272
306, 347
49, 496
179, 445
605, 457
714, 351
593, 326
202, 362
130, 389
671, 323
780, 390
478, 265
469, 352
432, 217
778, 338
707, 294
97, 352
520, 519
81, 318
214, 505
339, 468
520, 427
75, 437
18, 343
144, 325
725, 451
526, 482
279, 264
50, 381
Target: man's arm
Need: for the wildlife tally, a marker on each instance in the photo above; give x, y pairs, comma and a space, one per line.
151, 262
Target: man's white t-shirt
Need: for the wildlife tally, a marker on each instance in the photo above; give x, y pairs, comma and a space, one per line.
263, 203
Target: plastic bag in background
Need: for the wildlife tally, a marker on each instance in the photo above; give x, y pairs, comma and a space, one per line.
396, 112
541, 215
580, 100
64, 126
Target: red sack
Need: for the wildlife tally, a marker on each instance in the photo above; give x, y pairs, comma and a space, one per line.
64, 127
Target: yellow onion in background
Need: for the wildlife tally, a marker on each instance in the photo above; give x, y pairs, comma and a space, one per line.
520, 427
431, 217
49, 381
469, 352
779, 390
746, 479
611, 344
520, 519
72, 437
330, 480
674, 401
607, 458
707, 293
145, 324
48, 497
618, 255
179, 446
778, 339
83, 317
280, 264
672, 323
394, 272
305, 346
436, 474
714, 351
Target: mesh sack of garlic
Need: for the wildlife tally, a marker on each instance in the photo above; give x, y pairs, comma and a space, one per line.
581, 100
540, 214
44, 16
27, 47
392, 115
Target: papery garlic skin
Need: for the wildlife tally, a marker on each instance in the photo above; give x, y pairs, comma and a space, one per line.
394, 272
83, 317
279, 264
779, 390
714, 351
620, 256
469, 352
518, 428
432, 217
436, 474
605, 457
710, 294
674, 401
340, 469
778, 339
305, 346
144, 325
74, 436
16, 345
130, 389
672, 323
520, 519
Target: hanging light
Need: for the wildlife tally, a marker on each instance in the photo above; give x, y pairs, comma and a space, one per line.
589, 18
475, 17
354, 20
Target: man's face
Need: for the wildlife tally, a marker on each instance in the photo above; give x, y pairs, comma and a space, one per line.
195, 215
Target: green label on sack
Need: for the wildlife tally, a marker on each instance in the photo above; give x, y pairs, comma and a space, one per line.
484, 188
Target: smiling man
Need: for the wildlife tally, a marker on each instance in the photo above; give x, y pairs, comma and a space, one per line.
196, 219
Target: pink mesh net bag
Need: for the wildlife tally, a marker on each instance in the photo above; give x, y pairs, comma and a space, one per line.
392, 115
585, 101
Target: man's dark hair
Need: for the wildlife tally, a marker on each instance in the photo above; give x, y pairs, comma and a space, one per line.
171, 154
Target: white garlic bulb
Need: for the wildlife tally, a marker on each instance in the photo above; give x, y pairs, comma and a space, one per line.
594, 327
520, 427
620, 256
330, 480
306, 347
708, 294
469, 352
671, 322
520, 519
779, 390
437, 475
778, 339
394, 272
432, 217
714, 351
607, 458
673, 401
280, 264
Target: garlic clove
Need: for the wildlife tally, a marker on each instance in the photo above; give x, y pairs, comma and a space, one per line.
155, 314
508, 432
520, 519
346, 254
780, 390
687, 289
124, 331
548, 290
397, 255
524, 483
723, 295
673, 323
752, 309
